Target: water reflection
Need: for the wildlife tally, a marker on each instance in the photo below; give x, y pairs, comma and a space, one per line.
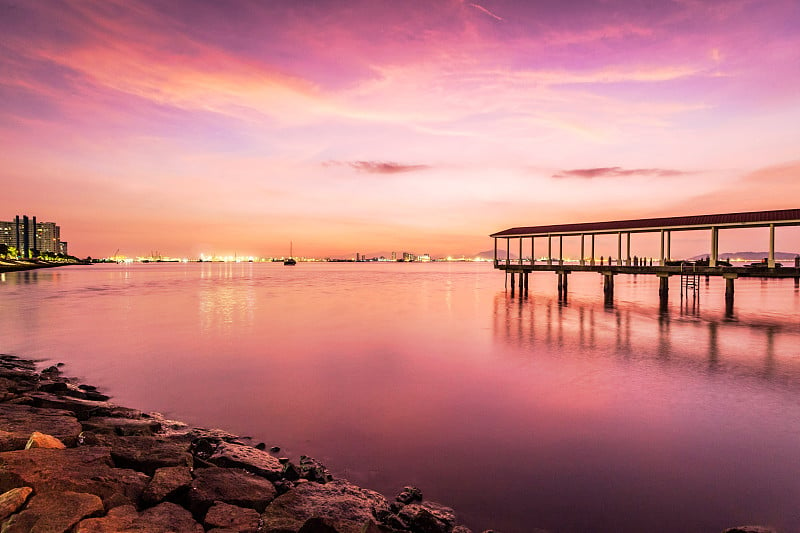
766, 348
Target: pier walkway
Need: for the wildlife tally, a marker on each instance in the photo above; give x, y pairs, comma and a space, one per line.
523, 239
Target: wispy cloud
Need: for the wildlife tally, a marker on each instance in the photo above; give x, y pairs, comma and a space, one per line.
378, 167
486, 11
617, 172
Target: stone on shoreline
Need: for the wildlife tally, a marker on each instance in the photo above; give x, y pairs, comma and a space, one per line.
87, 470
232, 517
142, 453
163, 518
428, 517
42, 440
124, 427
19, 421
54, 511
11, 501
229, 485
248, 458
168, 483
348, 507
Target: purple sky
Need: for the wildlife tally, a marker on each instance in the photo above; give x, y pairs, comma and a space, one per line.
221, 127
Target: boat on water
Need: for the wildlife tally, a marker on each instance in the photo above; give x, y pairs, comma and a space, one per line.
289, 261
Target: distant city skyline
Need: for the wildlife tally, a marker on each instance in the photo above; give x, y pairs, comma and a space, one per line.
237, 127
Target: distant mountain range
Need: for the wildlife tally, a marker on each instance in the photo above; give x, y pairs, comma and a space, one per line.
489, 254
749, 256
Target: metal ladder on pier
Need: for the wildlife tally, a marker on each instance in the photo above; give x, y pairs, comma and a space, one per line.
690, 282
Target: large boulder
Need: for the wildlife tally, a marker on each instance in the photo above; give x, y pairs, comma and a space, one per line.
121, 426
168, 483
428, 517
145, 454
232, 517
164, 518
53, 512
42, 440
12, 500
247, 458
18, 422
346, 507
229, 485
88, 470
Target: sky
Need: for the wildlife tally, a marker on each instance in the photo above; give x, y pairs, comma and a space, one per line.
190, 127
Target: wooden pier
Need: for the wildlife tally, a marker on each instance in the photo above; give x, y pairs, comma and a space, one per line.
626, 263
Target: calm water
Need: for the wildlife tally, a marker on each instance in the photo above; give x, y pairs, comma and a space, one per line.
519, 412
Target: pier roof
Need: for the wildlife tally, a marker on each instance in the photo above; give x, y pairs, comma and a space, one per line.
692, 222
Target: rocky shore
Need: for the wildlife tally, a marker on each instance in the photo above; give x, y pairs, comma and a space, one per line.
72, 461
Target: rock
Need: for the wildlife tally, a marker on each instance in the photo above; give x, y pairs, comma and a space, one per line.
348, 507
428, 517
318, 525
53, 511
19, 421
41, 440
164, 518
461, 529
74, 469
247, 458
121, 426
168, 483
229, 485
146, 454
83, 409
274, 449
232, 517
11, 501
313, 470
409, 495
750, 529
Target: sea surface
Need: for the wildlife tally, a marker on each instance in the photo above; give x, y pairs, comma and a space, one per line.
520, 412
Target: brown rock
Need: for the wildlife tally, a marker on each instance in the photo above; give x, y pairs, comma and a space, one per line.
750, 529
121, 426
11, 501
146, 454
41, 440
53, 511
348, 508
248, 458
232, 517
74, 469
19, 421
428, 517
318, 525
164, 518
229, 485
82, 409
168, 483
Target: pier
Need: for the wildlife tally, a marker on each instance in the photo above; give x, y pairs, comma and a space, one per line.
624, 260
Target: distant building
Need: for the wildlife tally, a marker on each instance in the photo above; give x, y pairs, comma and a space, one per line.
409, 257
26, 235
394, 256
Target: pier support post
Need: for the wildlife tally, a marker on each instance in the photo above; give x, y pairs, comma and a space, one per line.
560, 249
619, 248
608, 285
549, 250
771, 259
513, 283
520, 250
712, 262
592, 259
663, 286
729, 286
533, 257
583, 253
526, 274
628, 260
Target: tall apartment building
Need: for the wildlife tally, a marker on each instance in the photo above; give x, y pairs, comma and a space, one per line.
25, 234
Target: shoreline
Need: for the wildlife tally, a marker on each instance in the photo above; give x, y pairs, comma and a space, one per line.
18, 265
70, 460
